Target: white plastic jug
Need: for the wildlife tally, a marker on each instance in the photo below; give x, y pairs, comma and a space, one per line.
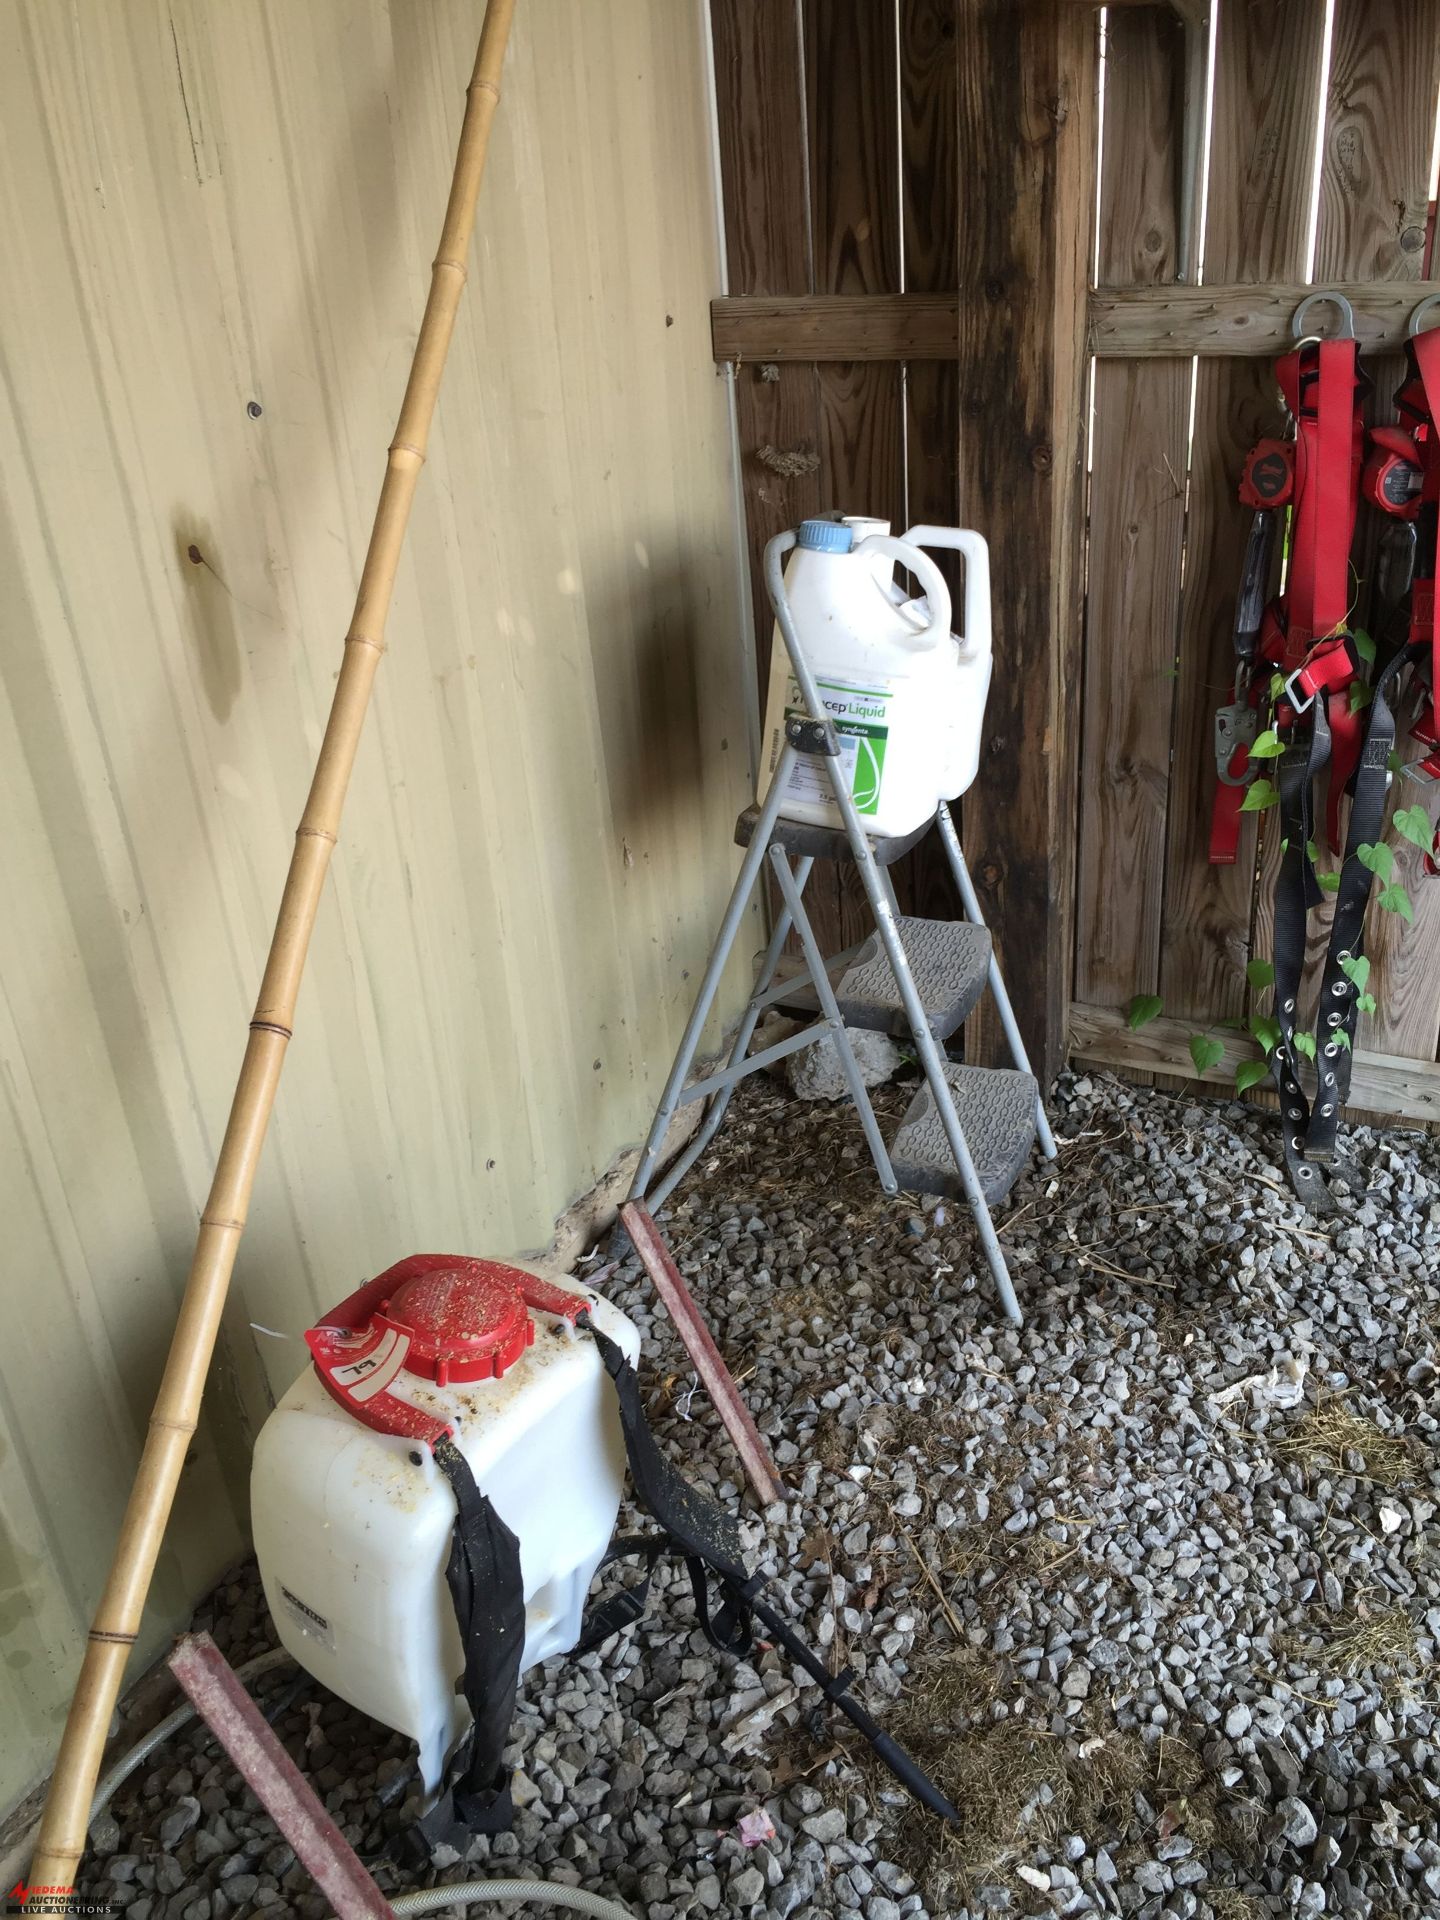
353, 1519
906, 695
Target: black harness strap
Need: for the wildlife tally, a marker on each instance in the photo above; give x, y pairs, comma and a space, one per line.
1339, 996
1310, 1129
1296, 891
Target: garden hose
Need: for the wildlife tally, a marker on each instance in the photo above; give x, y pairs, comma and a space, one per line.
467, 1893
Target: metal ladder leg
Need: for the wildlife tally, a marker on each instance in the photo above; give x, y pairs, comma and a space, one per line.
887, 924
719, 954
749, 1020
879, 1153
971, 902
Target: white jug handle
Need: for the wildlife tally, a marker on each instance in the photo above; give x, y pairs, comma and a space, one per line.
977, 577
931, 580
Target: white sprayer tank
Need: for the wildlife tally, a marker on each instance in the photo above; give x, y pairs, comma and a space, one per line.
353, 1519
907, 696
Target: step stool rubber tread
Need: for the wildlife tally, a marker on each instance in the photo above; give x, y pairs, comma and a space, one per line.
996, 1110
950, 962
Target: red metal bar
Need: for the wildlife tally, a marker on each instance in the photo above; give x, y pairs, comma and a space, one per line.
277, 1782
706, 1357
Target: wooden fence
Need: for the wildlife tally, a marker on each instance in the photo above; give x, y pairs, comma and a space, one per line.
1317, 171
910, 196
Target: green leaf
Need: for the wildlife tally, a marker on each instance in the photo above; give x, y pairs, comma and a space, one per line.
1366, 1003
1265, 1030
1357, 971
1258, 796
1249, 1073
1364, 645
1342, 1039
1205, 1052
1414, 824
1305, 1043
1328, 882
1394, 899
1277, 685
1260, 974
1143, 1009
1312, 852
1378, 858
1394, 762
1269, 746
1360, 695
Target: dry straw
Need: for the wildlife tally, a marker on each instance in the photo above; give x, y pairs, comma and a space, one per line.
177, 1408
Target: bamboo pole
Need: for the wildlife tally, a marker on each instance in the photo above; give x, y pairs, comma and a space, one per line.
117, 1622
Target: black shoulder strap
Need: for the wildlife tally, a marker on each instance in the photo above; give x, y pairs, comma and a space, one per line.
708, 1539
695, 1525
488, 1594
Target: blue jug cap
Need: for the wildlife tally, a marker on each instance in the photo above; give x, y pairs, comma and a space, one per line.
825, 536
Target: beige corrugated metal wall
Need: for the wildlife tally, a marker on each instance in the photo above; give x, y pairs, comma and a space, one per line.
224, 202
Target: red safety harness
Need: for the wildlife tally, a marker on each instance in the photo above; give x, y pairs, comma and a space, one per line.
1298, 662
1302, 634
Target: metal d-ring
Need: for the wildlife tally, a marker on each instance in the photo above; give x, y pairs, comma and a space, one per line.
1413, 326
1324, 298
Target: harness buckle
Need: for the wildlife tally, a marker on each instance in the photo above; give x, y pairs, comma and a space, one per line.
1327, 668
1294, 696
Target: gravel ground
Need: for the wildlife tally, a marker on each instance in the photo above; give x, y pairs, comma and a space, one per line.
1150, 1585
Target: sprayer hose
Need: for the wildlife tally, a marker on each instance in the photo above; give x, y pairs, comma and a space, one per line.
466, 1893
159, 1734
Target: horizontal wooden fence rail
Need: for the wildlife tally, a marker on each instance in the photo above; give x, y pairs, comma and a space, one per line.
1125, 323
837, 326
1381, 1083
1149, 323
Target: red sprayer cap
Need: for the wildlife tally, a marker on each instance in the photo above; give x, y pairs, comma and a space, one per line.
442, 1316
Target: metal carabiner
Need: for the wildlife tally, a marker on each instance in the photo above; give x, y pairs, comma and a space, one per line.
1412, 326
1325, 298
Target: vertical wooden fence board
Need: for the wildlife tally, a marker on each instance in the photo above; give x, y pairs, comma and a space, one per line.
850, 83
760, 114
1266, 101
929, 94
1380, 125
1137, 528
929, 104
1026, 129
1374, 186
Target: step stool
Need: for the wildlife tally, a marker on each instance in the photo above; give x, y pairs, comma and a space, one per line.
969, 1130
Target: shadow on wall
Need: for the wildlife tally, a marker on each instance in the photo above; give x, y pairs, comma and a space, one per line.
649, 630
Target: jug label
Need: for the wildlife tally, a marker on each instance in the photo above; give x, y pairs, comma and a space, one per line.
861, 716
308, 1619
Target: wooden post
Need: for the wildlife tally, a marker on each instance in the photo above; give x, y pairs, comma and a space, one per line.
177, 1407
1026, 218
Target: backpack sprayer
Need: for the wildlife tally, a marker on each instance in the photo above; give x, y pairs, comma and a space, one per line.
434, 1495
